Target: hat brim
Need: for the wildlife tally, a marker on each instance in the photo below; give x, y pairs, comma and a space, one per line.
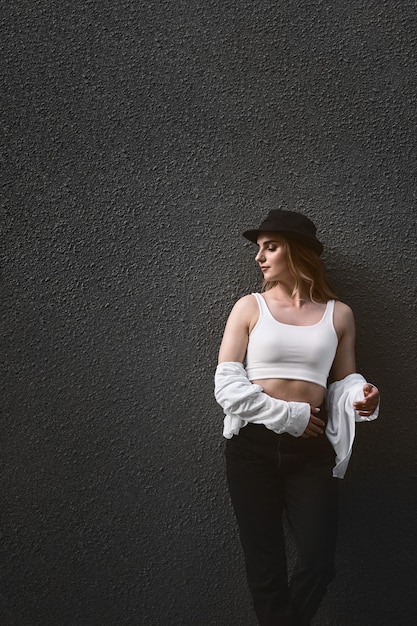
309, 242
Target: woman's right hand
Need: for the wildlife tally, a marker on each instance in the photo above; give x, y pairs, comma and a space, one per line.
315, 426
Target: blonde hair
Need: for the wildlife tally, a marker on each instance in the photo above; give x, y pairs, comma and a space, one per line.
308, 271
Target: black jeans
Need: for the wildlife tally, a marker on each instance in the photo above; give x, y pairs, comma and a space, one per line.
267, 475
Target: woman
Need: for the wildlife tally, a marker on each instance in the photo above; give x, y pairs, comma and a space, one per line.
283, 452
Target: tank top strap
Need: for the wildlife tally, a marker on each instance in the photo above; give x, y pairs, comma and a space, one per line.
261, 303
328, 314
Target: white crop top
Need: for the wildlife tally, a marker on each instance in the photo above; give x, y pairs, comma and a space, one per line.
277, 350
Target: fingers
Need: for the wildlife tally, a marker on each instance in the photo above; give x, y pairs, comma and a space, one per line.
370, 392
367, 389
367, 406
365, 410
316, 423
315, 426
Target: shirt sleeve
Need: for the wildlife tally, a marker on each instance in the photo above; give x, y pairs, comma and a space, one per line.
244, 402
340, 429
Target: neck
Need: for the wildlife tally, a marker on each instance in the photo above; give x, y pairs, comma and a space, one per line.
284, 293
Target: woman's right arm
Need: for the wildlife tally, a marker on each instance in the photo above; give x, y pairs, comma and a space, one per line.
236, 334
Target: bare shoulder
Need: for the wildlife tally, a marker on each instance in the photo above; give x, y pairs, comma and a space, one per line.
343, 310
246, 303
344, 320
238, 328
245, 309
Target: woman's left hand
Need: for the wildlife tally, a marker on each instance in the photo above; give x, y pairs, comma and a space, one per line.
367, 406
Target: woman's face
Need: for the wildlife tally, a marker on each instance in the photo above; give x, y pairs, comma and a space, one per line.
272, 257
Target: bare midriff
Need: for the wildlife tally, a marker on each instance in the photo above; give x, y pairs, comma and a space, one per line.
292, 390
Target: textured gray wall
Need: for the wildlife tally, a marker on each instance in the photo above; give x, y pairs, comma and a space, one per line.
141, 139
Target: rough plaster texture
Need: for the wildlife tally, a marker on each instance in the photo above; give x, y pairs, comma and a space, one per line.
141, 139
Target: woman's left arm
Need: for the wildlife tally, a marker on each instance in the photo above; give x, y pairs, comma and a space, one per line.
344, 362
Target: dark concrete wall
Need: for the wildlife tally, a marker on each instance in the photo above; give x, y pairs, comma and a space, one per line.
141, 139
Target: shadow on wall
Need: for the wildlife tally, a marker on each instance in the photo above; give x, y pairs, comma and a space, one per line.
378, 537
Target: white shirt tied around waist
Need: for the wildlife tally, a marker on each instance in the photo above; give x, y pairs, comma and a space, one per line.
244, 402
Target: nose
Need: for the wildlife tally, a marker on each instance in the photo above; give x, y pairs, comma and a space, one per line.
259, 257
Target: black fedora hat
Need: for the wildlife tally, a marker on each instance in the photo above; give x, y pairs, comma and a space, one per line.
289, 224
